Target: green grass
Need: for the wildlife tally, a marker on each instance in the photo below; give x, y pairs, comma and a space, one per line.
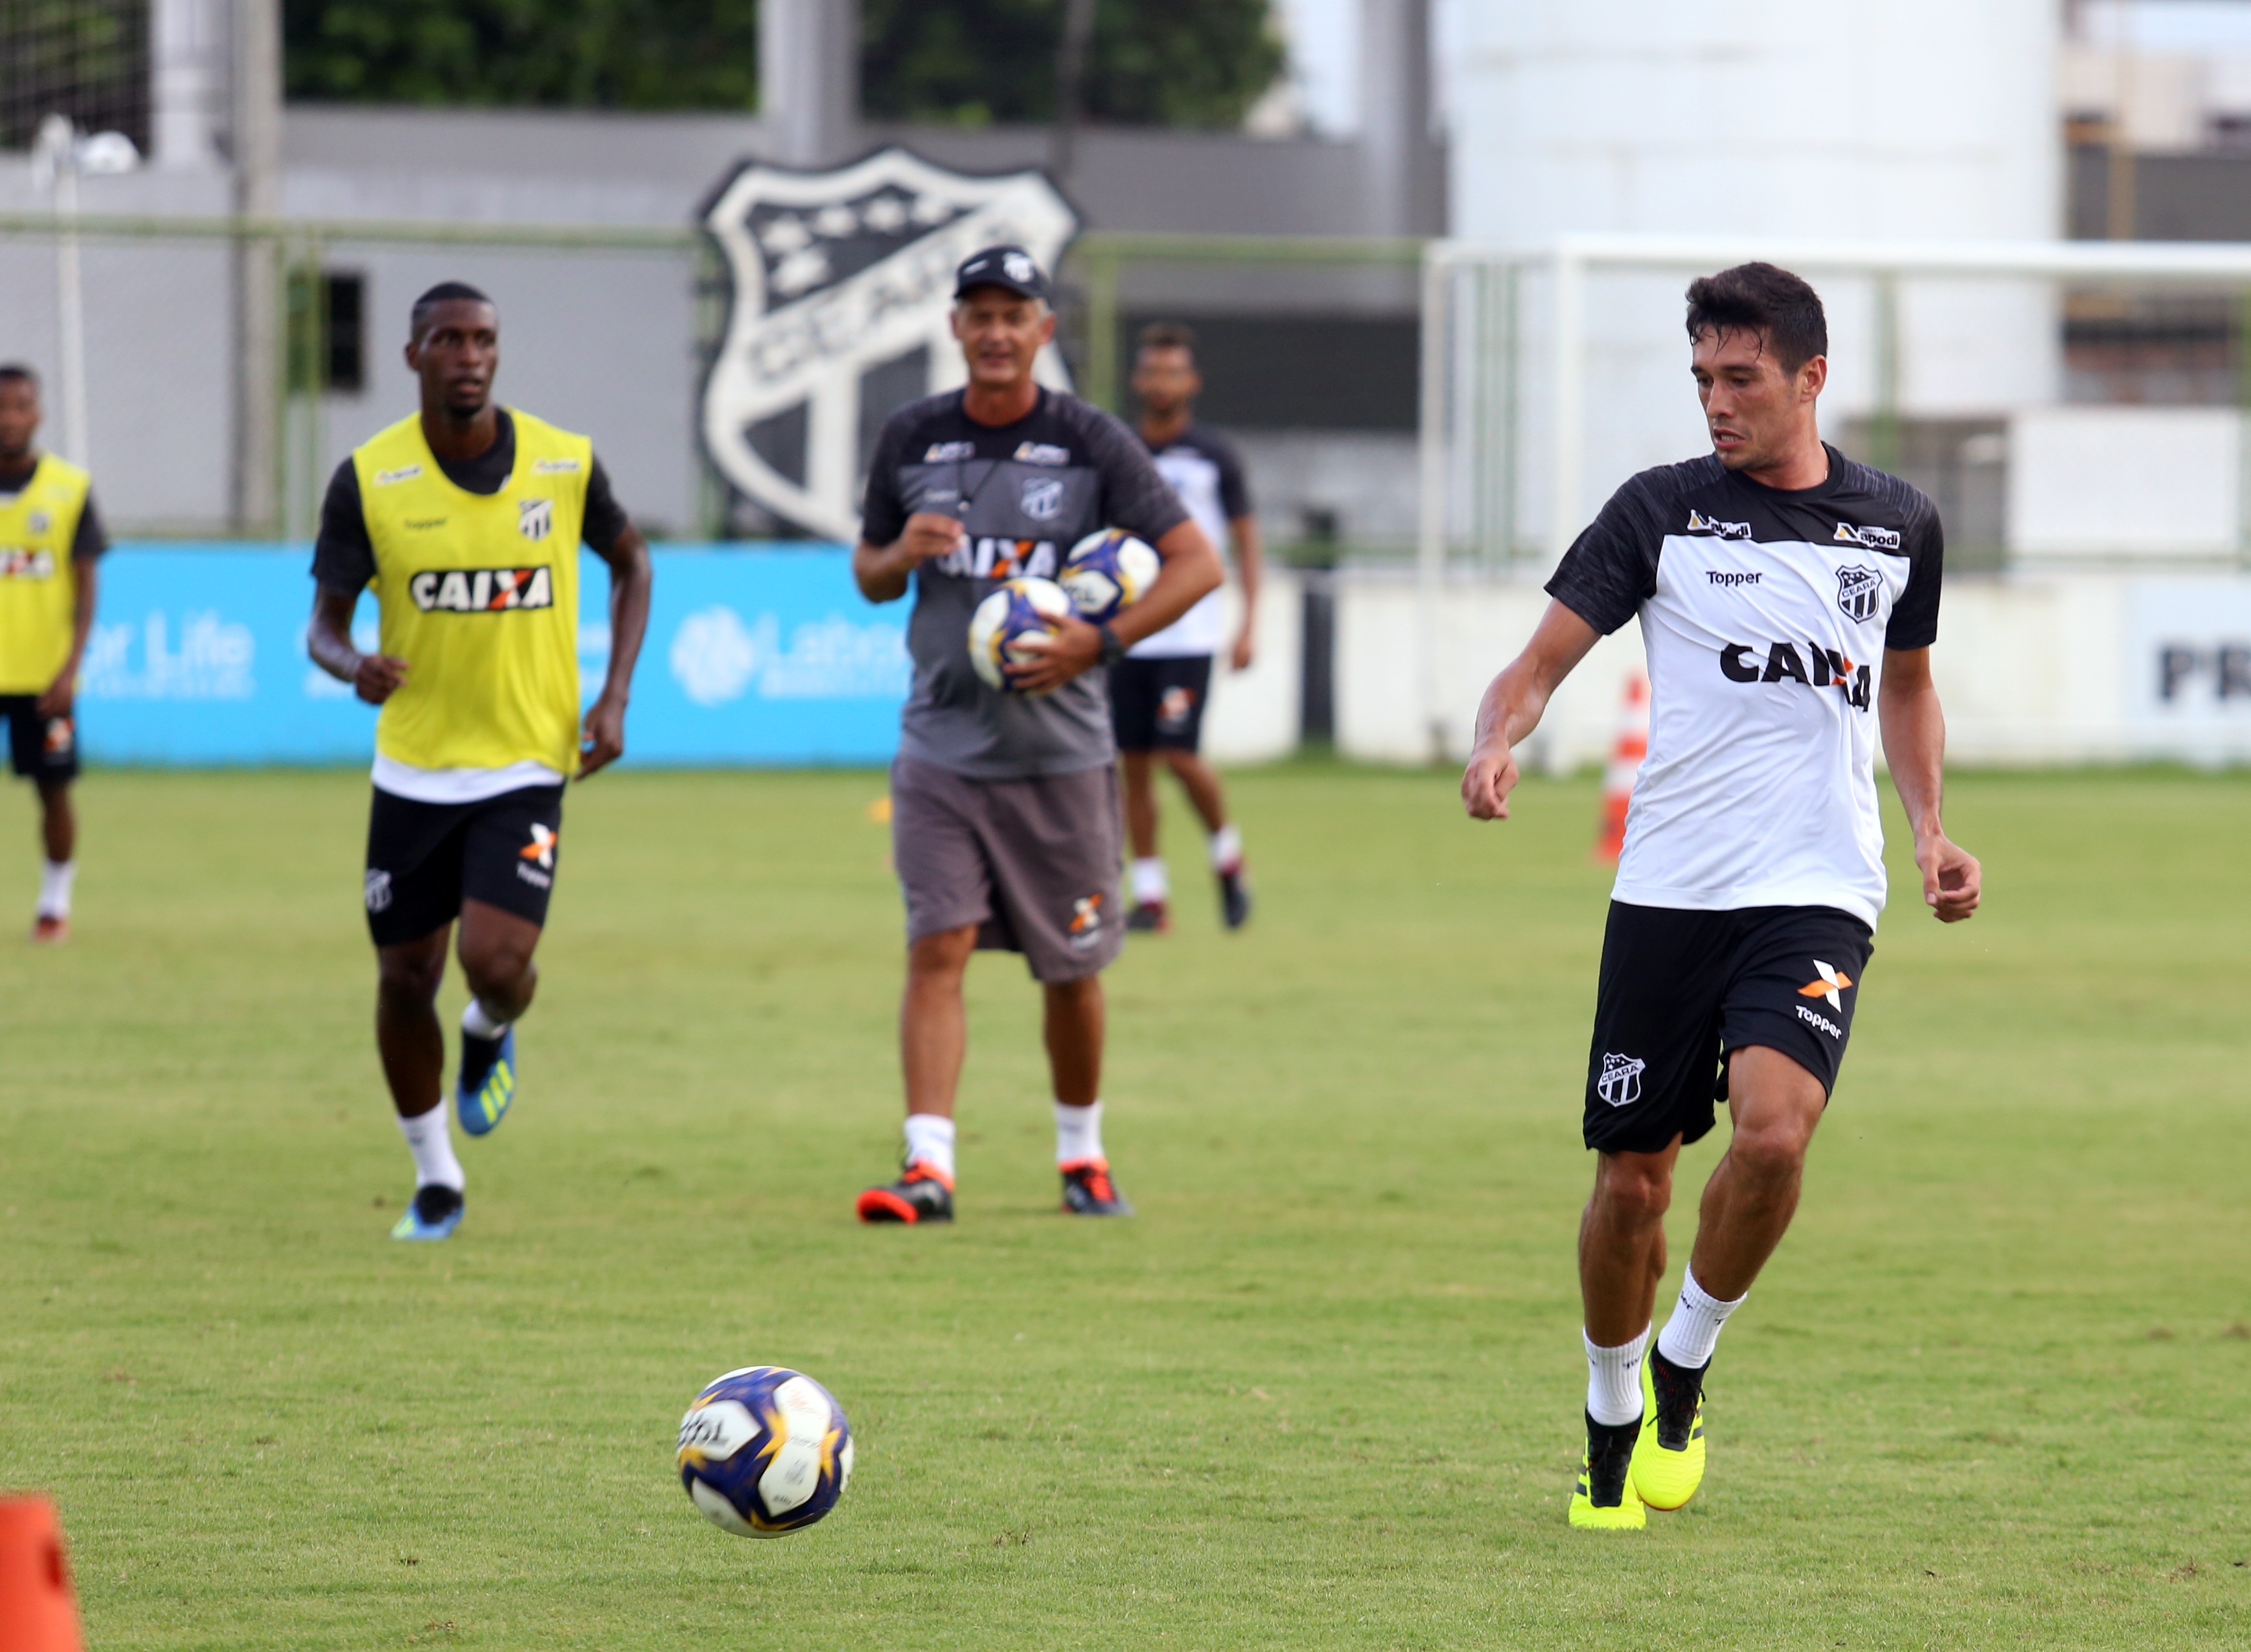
1321, 1392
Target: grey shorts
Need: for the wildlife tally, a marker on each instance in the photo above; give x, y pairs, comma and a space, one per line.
1033, 863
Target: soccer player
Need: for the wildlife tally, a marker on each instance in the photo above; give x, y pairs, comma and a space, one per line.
1788, 599
466, 519
1004, 819
1157, 691
50, 539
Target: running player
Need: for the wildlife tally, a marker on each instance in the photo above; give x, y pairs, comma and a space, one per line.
1157, 692
1004, 820
49, 538
1788, 599
465, 520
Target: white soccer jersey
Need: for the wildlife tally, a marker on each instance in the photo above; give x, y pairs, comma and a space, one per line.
1765, 614
1204, 472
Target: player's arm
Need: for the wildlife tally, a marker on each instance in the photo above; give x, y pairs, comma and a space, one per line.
1251, 568
86, 564
1914, 749
883, 571
1513, 705
344, 562
612, 537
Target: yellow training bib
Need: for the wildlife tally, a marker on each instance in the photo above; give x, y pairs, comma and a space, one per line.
480, 597
39, 585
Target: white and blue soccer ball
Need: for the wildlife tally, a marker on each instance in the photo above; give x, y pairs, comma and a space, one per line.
1107, 570
1012, 615
764, 1451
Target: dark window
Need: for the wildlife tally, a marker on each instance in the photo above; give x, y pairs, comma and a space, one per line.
1295, 372
344, 304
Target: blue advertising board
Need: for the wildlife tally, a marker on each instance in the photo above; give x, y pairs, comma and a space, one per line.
754, 658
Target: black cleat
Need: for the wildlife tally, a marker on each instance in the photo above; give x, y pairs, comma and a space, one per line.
1679, 1391
924, 1193
1234, 899
434, 1214
1148, 917
1087, 1190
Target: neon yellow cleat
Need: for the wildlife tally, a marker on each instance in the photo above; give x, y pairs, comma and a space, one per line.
1604, 1499
1668, 1459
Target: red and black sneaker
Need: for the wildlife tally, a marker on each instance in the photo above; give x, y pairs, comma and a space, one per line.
1087, 1190
1148, 917
923, 1193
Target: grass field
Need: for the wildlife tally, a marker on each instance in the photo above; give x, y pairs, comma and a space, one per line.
1323, 1391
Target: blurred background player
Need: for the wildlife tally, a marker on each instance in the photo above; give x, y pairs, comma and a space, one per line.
1157, 693
50, 539
1004, 818
466, 519
1747, 895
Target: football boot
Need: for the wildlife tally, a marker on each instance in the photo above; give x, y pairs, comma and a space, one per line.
434, 1214
1605, 1499
47, 930
1234, 898
487, 1084
1148, 917
1087, 1190
1668, 1459
923, 1193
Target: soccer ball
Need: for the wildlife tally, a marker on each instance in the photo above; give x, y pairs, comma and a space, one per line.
1107, 570
764, 1451
1018, 609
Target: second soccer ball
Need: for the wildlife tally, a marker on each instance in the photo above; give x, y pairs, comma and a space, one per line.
1107, 570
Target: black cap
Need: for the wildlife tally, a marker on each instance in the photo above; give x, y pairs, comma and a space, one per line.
1004, 266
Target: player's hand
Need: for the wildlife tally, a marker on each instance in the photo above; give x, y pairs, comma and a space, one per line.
1075, 647
1487, 782
929, 534
1245, 651
61, 694
603, 741
380, 677
1952, 881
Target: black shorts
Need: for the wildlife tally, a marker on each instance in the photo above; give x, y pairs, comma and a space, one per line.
39, 748
1681, 990
423, 859
1157, 705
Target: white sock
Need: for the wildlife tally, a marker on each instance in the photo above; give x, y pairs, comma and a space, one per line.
930, 1138
1227, 849
1150, 884
55, 880
1693, 1330
432, 1143
1614, 1379
479, 1021
1078, 1132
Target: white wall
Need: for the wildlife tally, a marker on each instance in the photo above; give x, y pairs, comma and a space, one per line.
1922, 119
2118, 482
2039, 667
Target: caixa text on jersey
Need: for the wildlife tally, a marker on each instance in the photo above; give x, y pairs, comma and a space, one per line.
482, 590
1739, 662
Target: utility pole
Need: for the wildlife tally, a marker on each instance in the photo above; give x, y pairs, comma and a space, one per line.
1070, 88
254, 142
809, 78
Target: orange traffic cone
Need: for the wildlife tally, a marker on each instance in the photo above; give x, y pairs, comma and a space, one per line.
1625, 762
37, 1612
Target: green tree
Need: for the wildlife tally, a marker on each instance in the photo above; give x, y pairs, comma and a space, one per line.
603, 54
962, 62
1195, 63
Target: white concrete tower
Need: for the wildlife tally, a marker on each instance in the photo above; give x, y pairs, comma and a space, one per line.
1801, 119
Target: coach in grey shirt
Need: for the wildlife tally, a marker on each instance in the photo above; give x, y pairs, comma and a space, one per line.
1005, 823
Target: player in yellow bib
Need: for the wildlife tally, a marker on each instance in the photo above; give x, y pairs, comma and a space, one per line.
49, 538
465, 520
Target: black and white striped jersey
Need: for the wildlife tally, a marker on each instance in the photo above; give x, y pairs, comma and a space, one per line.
1765, 614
